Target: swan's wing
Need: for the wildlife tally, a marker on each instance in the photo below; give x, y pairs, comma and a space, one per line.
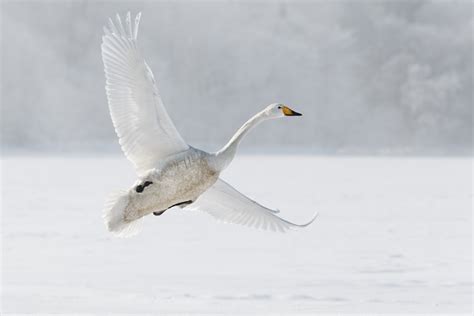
227, 204
145, 131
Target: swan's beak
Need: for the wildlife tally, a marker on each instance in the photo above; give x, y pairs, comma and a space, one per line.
289, 112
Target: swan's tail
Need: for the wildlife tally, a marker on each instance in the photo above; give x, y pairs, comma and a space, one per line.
114, 216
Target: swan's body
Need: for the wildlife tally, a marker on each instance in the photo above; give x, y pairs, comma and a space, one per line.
171, 173
181, 178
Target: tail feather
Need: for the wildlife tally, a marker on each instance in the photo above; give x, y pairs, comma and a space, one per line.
114, 216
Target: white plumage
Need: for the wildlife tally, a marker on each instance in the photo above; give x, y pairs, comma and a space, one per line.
171, 173
228, 205
145, 131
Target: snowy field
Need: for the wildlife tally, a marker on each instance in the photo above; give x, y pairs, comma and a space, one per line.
394, 235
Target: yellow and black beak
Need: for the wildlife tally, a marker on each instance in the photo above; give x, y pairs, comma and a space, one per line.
289, 112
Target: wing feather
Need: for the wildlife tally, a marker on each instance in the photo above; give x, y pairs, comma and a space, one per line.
227, 204
144, 128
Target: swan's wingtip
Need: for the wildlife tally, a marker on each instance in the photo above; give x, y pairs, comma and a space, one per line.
308, 223
316, 214
295, 227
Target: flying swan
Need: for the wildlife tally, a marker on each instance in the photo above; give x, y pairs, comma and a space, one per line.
170, 172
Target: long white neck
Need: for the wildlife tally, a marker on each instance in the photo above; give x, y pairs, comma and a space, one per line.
224, 156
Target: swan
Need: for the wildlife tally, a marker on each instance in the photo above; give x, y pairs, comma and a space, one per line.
170, 172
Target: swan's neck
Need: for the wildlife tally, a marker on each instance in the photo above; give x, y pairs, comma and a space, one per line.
224, 156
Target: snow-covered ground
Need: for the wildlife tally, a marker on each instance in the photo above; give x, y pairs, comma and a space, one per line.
394, 235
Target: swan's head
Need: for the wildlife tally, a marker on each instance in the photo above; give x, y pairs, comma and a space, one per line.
277, 110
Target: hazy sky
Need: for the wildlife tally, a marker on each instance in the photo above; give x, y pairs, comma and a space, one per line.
369, 76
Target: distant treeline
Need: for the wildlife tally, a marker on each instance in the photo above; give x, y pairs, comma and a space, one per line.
373, 76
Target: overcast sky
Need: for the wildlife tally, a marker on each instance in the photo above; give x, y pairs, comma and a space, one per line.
369, 76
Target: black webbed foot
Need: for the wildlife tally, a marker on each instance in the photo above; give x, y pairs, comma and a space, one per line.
182, 204
141, 187
147, 183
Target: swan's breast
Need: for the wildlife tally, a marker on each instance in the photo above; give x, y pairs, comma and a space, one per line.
187, 176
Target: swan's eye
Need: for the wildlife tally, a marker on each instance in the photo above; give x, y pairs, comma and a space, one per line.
279, 107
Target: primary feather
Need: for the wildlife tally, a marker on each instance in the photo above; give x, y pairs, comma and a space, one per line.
228, 205
145, 131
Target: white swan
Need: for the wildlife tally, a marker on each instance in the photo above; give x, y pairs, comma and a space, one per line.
171, 173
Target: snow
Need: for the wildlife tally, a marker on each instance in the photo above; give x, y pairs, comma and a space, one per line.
394, 235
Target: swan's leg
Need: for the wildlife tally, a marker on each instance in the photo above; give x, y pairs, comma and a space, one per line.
182, 204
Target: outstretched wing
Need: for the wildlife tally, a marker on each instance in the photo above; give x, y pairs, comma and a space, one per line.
145, 131
227, 204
